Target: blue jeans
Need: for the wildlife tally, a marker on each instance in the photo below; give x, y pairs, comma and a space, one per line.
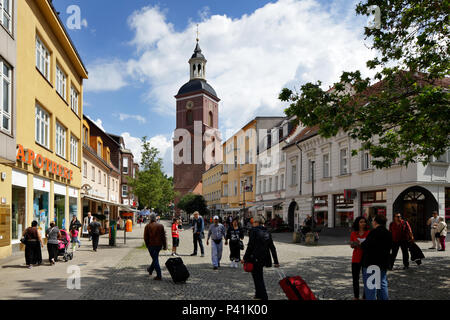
216, 254
154, 253
374, 294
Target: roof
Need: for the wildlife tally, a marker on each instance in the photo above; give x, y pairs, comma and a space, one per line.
195, 85
197, 52
305, 134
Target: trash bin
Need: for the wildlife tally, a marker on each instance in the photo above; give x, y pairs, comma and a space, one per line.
129, 226
112, 233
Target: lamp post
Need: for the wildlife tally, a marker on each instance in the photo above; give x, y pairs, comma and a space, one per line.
312, 196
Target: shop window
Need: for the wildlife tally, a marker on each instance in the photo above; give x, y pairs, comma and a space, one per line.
343, 216
41, 210
18, 214
60, 211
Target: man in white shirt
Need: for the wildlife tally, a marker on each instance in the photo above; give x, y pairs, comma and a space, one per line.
433, 222
87, 221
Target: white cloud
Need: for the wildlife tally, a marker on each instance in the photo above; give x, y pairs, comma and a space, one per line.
250, 58
160, 142
106, 76
124, 116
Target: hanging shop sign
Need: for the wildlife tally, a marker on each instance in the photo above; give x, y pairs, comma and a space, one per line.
29, 157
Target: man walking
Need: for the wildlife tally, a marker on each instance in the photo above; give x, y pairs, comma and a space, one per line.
87, 221
433, 222
401, 236
376, 249
216, 233
94, 231
198, 228
155, 240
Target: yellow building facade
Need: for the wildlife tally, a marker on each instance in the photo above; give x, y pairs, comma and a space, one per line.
212, 187
239, 173
44, 183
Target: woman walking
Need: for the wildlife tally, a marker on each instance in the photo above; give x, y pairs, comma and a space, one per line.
358, 236
235, 235
259, 249
33, 245
53, 235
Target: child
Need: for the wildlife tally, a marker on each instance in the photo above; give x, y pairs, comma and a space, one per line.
175, 236
74, 238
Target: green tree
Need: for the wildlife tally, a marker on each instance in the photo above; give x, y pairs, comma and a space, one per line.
404, 117
193, 202
153, 188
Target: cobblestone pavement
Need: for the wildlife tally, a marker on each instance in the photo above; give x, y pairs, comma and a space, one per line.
326, 268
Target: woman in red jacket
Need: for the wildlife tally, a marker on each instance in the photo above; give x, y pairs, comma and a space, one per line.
358, 236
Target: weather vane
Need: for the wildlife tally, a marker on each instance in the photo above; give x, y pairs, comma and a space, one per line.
197, 33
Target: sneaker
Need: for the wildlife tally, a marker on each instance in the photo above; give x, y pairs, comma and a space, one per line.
432, 248
30, 267
441, 250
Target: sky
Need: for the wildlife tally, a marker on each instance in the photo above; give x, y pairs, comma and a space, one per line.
137, 53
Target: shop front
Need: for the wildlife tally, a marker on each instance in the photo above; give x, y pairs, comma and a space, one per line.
60, 205
373, 203
343, 212
18, 206
321, 211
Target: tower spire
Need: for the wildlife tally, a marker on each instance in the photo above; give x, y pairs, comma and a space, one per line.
197, 34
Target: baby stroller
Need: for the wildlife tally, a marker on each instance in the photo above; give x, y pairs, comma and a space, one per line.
63, 246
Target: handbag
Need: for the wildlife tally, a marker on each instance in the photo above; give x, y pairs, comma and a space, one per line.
24, 238
248, 266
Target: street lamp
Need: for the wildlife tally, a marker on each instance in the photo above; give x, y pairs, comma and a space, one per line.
312, 196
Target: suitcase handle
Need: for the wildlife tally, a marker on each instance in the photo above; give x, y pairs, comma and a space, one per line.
281, 274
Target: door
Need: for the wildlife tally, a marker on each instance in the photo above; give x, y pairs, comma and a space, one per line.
414, 212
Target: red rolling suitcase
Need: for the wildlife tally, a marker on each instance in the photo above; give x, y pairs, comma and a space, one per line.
295, 288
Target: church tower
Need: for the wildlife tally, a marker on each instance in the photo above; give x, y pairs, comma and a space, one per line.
197, 102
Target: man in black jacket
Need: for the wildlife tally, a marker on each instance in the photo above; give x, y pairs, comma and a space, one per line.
259, 249
376, 256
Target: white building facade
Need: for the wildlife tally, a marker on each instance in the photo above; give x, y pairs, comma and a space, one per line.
347, 186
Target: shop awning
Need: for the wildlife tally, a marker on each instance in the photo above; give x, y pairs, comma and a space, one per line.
127, 208
256, 208
232, 210
99, 200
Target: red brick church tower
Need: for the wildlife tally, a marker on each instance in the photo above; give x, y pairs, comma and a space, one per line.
197, 101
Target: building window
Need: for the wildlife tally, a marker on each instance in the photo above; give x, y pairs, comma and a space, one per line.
276, 184
5, 96
294, 175
270, 184
42, 59
365, 165
42, 127
282, 182
104, 180
99, 177
344, 161
235, 188
99, 149
6, 14
210, 119
125, 165
85, 169
74, 99
264, 186
124, 191
74, 150
61, 82
326, 165
60, 140
93, 174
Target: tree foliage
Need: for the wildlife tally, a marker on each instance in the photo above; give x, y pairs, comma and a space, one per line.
153, 188
404, 117
193, 202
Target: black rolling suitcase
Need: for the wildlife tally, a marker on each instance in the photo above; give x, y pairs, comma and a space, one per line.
177, 270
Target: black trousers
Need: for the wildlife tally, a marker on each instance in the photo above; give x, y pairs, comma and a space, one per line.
33, 254
404, 246
356, 271
235, 251
52, 251
198, 238
95, 238
258, 279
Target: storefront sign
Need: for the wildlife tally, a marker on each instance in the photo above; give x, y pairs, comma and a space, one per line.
42, 162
